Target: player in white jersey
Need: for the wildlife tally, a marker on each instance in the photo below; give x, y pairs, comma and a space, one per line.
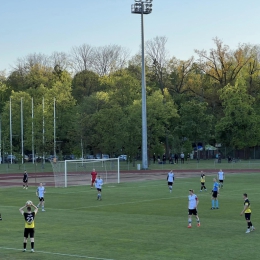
221, 178
98, 185
40, 194
193, 202
170, 180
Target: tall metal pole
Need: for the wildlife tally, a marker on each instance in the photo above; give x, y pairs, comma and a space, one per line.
22, 141
32, 134
144, 119
54, 128
11, 133
43, 130
143, 7
1, 159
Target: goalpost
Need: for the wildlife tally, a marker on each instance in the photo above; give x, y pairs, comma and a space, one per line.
77, 172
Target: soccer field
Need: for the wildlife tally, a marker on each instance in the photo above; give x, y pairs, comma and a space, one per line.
134, 221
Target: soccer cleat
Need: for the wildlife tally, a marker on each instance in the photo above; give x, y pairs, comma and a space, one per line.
32, 250
216, 208
252, 228
198, 225
205, 189
24, 250
212, 208
189, 226
43, 209
248, 231
26, 188
23, 187
200, 190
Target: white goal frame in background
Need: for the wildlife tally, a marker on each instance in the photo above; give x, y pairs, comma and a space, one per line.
89, 161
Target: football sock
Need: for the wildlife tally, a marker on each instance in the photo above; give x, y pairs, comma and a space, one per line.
32, 245
189, 221
212, 204
24, 245
216, 203
198, 220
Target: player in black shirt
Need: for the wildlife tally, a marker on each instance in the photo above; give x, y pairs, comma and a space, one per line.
25, 180
29, 224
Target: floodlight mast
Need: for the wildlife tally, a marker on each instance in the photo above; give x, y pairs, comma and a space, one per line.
143, 7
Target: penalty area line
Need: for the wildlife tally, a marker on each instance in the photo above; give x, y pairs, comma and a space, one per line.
60, 254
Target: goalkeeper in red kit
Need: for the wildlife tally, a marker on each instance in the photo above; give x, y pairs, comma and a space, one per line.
93, 177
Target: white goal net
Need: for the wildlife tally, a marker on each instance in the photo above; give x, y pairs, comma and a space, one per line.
78, 172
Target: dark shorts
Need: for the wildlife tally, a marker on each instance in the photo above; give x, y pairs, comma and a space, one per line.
98, 189
221, 181
214, 194
41, 198
202, 183
247, 216
192, 212
28, 231
170, 183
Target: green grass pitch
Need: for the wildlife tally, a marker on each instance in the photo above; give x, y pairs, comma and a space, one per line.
134, 221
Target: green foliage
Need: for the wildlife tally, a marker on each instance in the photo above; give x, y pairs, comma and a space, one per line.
240, 125
183, 99
195, 124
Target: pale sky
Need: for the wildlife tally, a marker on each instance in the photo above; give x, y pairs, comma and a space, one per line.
34, 26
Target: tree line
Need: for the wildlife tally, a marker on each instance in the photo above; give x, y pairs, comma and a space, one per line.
213, 98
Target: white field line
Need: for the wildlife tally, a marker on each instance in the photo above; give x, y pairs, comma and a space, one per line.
60, 254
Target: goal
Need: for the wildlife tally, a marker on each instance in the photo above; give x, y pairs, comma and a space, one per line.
77, 172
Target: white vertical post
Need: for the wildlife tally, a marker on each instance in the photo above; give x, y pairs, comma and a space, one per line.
1, 159
65, 173
22, 141
43, 130
11, 133
32, 134
54, 128
118, 170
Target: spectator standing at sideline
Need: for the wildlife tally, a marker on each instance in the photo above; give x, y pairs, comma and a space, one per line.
176, 158
182, 157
